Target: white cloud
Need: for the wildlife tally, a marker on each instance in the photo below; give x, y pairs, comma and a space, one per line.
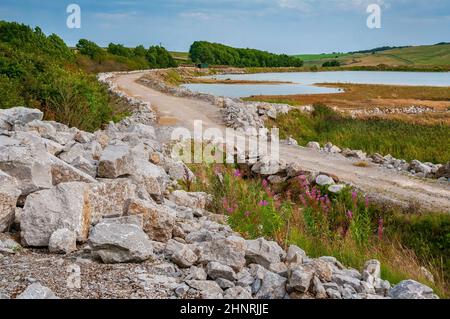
196, 15
115, 16
300, 5
328, 5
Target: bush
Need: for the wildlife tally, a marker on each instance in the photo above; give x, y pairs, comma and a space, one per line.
332, 63
10, 93
90, 49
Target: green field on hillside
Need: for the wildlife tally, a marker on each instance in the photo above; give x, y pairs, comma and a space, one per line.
423, 55
318, 57
420, 56
180, 55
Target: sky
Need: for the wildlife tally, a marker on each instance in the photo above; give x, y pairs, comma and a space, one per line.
280, 26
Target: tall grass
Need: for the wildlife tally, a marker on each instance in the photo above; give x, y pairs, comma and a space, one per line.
347, 226
428, 143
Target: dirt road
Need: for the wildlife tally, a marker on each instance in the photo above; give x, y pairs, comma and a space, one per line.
375, 181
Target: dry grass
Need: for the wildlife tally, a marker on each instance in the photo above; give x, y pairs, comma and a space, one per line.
362, 164
366, 96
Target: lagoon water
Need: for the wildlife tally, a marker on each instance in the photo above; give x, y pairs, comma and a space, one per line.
303, 82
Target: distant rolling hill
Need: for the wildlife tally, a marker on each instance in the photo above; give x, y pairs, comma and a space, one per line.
425, 55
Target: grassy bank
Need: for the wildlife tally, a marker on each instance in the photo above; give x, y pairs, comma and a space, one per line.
369, 96
428, 143
347, 226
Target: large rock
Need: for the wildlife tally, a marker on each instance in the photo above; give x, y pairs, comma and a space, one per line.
313, 145
191, 200
72, 151
180, 254
268, 166
324, 180
37, 291
300, 278
9, 193
177, 170
227, 251
150, 177
159, 220
120, 243
263, 252
372, 269
85, 165
63, 241
216, 270
44, 129
410, 289
343, 279
121, 160
115, 161
295, 255
322, 269
358, 154
18, 116
273, 286
444, 171
208, 289
109, 197
419, 167
237, 292
28, 164
294, 169
64, 173
64, 206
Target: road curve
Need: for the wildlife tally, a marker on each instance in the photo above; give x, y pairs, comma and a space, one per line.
375, 181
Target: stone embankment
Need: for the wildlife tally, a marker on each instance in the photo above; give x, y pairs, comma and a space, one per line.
101, 215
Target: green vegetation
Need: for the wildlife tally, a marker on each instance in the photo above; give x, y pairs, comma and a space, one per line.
40, 71
347, 226
379, 49
219, 54
428, 143
181, 57
43, 72
315, 57
332, 63
118, 57
428, 236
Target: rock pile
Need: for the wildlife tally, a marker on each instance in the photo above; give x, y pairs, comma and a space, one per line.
413, 109
415, 167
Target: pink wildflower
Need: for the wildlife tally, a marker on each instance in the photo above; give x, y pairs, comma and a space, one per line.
350, 214
355, 197
265, 183
263, 203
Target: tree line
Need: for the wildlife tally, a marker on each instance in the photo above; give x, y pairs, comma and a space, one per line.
153, 57
219, 54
